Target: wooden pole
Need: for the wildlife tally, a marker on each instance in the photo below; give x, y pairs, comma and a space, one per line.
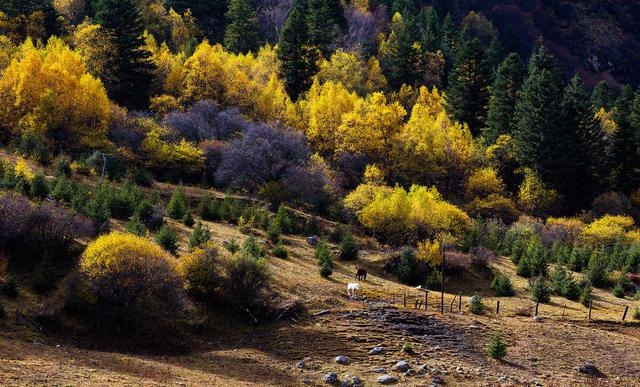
442, 285
459, 302
498, 307
624, 315
590, 305
537, 304
404, 299
426, 299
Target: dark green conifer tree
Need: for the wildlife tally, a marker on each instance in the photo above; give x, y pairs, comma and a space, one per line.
468, 92
326, 22
538, 117
298, 57
603, 95
430, 29
210, 15
399, 57
502, 102
624, 153
241, 34
131, 66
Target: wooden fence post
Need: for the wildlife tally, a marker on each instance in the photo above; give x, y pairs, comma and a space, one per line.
498, 307
537, 305
459, 302
624, 315
404, 299
590, 305
426, 299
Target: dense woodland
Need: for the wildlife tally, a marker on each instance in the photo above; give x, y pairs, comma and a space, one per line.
421, 123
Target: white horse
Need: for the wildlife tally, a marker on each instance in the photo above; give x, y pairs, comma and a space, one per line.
352, 289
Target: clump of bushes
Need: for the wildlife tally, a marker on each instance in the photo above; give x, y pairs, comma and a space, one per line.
280, 251
502, 286
200, 271
201, 235
178, 205
540, 291
252, 248
348, 248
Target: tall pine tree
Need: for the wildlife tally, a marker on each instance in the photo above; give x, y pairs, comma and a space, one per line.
399, 56
326, 22
132, 68
241, 35
468, 92
298, 57
430, 28
625, 155
582, 166
210, 15
538, 117
504, 94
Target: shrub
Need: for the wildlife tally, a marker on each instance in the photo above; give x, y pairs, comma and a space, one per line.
407, 347
408, 267
480, 257
618, 290
348, 248
597, 269
497, 348
323, 259
274, 231
245, 278
280, 251
178, 206
251, 248
39, 187
570, 288
434, 280
585, 293
231, 245
201, 272
142, 177
132, 278
167, 239
636, 314
188, 220
44, 278
579, 259
475, 304
208, 208
201, 235
136, 226
557, 279
283, 219
540, 291
9, 287
502, 287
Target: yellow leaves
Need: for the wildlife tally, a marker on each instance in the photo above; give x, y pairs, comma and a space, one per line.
373, 175
118, 252
608, 230
23, 170
402, 216
534, 196
607, 122
483, 182
161, 154
49, 91
353, 72
429, 252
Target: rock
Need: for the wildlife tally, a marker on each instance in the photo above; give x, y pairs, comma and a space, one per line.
302, 364
341, 359
356, 381
380, 370
346, 383
411, 372
588, 369
437, 380
331, 378
377, 351
503, 379
402, 366
537, 318
387, 379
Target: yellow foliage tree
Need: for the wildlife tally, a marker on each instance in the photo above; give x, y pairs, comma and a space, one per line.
23, 170
173, 161
608, 230
429, 252
535, 197
353, 72
483, 182
49, 91
432, 146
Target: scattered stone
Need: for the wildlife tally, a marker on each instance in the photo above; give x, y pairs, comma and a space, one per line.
402, 366
437, 380
302, 364
387, 379
306, 380
380, 370
503, 379
459, 370
356, 381
331, 378
588, 369
346, 383
377, 351
341, 359
411, 372
537, 318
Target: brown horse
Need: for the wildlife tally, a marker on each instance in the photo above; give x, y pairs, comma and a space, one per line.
361, 273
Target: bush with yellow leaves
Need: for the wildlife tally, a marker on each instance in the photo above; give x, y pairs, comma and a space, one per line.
132, 278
